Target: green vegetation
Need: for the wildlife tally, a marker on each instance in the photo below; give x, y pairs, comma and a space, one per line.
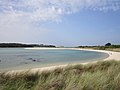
107, 46
16, 45
103, 75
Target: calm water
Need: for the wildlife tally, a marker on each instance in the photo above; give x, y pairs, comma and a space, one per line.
19, 58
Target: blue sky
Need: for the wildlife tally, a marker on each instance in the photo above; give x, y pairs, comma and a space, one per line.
60, 22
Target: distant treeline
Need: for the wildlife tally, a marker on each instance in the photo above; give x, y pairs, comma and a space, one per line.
12, 45
106, 46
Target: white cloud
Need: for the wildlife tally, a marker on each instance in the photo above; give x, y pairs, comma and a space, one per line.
14, 29
42, 10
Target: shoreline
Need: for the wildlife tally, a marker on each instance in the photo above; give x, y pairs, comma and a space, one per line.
111, 56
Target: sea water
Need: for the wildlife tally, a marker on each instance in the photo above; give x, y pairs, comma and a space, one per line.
20, 58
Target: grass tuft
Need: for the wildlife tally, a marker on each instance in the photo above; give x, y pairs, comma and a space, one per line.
103, 75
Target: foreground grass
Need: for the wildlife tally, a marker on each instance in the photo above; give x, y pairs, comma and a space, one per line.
104, 75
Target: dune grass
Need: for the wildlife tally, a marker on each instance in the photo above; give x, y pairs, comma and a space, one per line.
103, 75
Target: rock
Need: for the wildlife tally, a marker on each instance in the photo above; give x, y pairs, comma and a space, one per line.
30, 58
34, 60
26, 63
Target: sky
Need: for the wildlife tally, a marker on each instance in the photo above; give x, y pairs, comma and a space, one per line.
60, 22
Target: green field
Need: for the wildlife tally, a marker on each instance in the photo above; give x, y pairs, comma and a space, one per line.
103, 75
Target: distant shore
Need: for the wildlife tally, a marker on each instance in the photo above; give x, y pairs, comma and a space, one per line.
112, 56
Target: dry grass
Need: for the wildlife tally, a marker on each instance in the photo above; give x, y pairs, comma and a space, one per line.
104, 75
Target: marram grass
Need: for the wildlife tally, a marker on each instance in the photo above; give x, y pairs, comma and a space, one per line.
103, 75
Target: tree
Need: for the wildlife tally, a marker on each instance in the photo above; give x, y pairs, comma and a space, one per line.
108, 44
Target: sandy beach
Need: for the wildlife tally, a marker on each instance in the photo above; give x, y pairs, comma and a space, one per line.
112, 56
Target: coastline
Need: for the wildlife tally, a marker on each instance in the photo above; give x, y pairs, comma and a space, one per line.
112, 56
